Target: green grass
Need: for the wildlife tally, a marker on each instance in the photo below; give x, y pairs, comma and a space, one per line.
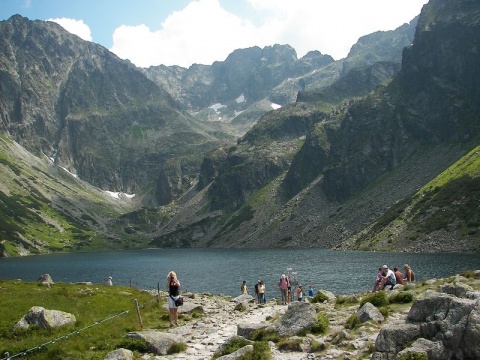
231, 346
319, 297
111, 311
401, 298
322, 325
353, 322
377, 299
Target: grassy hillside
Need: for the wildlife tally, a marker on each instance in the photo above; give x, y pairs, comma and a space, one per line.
104, 314
43, 208
447, 207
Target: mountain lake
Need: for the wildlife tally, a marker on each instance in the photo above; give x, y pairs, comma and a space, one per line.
221, 271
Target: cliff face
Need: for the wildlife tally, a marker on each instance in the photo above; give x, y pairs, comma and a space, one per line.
433, 100
350, 163
91, 112
242, 88
328, 170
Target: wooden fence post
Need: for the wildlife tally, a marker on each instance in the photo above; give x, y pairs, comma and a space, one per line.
138, 313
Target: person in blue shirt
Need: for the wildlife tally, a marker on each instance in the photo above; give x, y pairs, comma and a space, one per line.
310, 291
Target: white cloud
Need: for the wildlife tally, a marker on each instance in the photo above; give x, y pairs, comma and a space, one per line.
204, 32
77, 27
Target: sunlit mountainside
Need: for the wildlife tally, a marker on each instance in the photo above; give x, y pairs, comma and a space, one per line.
377, 151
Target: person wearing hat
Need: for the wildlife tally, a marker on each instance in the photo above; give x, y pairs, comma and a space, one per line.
283, 284
388, 278
300, 293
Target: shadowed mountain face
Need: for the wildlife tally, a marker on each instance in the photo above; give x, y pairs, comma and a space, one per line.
341, 164
93, 113
353, 139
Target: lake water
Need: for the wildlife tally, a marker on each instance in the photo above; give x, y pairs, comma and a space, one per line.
221, 271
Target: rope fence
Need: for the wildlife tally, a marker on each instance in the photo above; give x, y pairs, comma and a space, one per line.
53, 341
7, 356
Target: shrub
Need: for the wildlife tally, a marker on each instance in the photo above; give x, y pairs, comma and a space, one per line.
469, 274
261, 351
401, 298
176, 348
346, 300
290, 344
240, 307
378, 298
265, 335
321, 326
133, 345
413, 356
231, 346
316, 346
319, 297
384, 310
353, 322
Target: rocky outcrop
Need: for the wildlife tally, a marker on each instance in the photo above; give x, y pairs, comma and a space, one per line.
442, 326
91, 112
46, 280
45, 319
120, 354
448, 320
300, 316
369, 312
158, 342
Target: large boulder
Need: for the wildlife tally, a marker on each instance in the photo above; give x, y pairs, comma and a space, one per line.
237, 354
299, 316
46, 280
247, 329
449, 326
471, 336
187, 307
458, 289
45, 319
434, 350
158, 342
392, 338
120, 354
243, 298
369, 312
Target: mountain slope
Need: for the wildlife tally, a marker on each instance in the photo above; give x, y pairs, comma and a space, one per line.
95, 114
358, 159
250, 81
44, 208
446, 208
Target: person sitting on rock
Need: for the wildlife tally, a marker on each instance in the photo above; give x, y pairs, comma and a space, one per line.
398, 275
378, 280
388, 278
409, 274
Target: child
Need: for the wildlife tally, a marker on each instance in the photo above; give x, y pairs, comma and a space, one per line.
299, 293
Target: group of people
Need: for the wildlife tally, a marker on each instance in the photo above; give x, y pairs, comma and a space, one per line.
285, 287
387, 278
286, 290
260, 291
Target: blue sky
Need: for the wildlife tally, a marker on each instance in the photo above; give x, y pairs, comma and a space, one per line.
183, 32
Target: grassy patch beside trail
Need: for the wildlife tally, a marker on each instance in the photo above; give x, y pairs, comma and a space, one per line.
110, 309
